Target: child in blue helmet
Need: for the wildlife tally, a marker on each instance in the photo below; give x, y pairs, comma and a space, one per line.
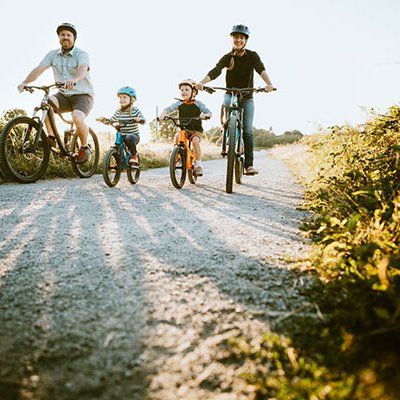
129, 117
189, 107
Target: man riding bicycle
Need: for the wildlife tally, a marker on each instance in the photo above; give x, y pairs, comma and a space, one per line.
70, 66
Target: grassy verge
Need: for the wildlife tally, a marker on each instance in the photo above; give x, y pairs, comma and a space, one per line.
352, 349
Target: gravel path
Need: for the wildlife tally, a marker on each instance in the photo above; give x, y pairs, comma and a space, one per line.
127, 293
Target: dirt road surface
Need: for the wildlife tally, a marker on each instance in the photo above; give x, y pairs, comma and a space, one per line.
127, 293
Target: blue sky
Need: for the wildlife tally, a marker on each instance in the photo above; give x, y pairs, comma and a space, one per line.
331, 60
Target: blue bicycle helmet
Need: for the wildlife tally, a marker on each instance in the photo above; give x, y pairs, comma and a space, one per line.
68, 27
130, 91
243, 29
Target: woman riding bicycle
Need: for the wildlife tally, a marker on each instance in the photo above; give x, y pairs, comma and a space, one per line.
240, 64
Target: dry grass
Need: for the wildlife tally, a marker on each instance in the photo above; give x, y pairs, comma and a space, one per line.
298, 158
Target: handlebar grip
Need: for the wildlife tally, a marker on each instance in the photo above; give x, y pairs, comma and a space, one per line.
208, 89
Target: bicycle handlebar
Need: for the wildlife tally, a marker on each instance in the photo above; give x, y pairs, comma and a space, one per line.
212, 89
181, 122
115, 124
46, 89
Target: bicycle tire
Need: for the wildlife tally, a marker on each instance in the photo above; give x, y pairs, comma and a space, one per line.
230, 153
16, 160
112, 167
133, 172
239, 170
177, 167
87, 169
191, 175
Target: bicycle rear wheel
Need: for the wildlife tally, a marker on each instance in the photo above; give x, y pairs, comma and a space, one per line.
230, 153
87, 169
177, 167
191, 175
112, 167
239, 168
18, 159
133, 172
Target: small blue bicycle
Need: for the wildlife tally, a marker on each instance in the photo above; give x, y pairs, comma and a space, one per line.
116, 160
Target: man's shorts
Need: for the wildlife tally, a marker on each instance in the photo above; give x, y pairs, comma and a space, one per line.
81, 102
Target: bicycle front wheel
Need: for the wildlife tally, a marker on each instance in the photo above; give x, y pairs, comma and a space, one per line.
133, 172
88, 168
19, 159
177, 167
112, 167
230, 153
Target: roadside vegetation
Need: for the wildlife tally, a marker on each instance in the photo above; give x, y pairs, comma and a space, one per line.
350, 348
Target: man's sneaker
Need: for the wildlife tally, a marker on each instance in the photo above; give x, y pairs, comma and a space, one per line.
198, 171
134, 160
83, 156
251, 171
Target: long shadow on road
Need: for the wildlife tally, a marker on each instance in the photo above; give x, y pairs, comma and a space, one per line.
104, 286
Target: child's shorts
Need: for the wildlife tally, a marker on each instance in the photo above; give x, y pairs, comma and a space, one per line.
192, 134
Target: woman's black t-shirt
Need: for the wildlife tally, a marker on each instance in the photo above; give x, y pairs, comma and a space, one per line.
242, 74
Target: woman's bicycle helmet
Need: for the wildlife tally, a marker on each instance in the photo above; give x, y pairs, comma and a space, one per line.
129, 91
243, 29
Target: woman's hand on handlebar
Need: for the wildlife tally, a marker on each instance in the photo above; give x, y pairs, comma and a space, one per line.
269, 88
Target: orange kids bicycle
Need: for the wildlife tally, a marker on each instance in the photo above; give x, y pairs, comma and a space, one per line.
183, 159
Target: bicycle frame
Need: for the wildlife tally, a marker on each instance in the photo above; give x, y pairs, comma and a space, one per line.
184, 141
120, 145
47, 111
236, 110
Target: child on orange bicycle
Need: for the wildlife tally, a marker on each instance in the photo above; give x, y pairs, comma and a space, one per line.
189, 107
129, 117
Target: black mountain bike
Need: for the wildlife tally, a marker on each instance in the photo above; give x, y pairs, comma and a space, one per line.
232, 143
25, 148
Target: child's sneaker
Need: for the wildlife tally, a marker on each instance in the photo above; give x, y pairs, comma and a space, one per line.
134, 160
198, 170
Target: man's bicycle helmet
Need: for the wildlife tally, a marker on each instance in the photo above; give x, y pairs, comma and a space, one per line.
67, 26
243, 29
129, 91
